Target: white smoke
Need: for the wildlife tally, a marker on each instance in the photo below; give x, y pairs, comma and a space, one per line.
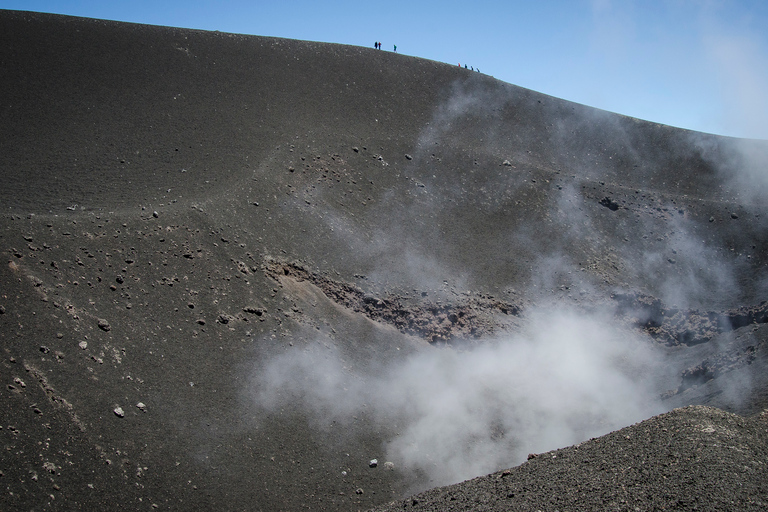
455, 414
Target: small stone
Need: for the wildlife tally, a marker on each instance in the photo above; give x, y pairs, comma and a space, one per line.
119, 412
711, 219
373, 463
389, 466
2, 310
359, 490
408, 157
83, 345
142, 406
104, 325
155, 214
734, 216
507, 163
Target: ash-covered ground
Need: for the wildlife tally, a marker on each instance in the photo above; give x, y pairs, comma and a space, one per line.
249, 273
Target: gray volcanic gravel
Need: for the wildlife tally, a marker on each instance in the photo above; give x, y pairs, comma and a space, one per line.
694, 458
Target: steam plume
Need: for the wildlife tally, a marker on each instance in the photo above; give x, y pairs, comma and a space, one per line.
455, 415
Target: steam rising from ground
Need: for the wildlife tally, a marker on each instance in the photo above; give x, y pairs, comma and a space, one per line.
456, 414
567, 376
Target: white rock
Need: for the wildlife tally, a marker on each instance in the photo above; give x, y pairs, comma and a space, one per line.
119, 412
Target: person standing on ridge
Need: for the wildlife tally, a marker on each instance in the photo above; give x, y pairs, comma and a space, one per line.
395, 48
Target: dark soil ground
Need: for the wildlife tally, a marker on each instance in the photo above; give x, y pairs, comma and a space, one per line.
178, 207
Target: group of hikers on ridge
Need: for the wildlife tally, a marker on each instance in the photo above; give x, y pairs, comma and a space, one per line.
377, 45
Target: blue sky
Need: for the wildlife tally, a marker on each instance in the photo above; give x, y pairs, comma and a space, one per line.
696, 64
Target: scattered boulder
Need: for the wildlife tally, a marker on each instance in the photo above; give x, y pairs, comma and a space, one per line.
254, 310
609, 203
104, 325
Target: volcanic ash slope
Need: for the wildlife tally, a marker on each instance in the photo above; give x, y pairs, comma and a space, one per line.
254, 273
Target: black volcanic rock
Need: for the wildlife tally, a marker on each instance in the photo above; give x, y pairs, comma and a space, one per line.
228, 201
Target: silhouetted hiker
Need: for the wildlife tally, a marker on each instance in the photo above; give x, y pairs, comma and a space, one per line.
465, 66
471, 68
395, 48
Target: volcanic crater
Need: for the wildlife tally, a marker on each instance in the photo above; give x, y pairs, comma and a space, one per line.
245, 272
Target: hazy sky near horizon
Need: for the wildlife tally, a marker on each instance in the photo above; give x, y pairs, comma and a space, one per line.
696, 64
